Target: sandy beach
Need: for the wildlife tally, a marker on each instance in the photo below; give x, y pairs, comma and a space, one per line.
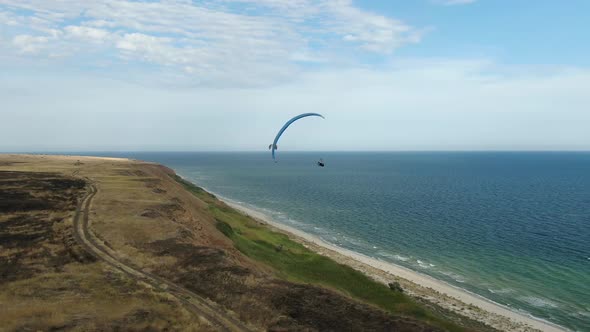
416, 284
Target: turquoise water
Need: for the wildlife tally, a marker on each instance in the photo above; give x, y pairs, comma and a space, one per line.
512, 227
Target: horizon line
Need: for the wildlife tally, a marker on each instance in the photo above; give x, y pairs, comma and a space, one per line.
290, 151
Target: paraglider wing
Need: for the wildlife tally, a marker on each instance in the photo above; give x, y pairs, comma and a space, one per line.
300, 116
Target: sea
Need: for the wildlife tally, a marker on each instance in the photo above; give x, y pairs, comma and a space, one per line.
513, 227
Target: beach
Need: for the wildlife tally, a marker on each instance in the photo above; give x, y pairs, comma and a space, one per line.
414, 283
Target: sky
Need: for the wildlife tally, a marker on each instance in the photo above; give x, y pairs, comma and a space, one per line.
224, 75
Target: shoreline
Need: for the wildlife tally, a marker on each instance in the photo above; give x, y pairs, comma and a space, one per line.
415, 283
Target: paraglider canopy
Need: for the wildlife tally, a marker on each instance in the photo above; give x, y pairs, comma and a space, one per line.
273, 146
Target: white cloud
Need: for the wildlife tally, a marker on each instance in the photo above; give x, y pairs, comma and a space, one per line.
233, 42
142, 43
30, 44
373, 32
86, 34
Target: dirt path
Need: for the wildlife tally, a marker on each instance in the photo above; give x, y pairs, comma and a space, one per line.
216, 316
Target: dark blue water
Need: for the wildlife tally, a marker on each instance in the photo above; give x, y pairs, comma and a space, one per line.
512, 227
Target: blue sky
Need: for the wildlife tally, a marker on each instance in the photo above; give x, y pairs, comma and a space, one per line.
513, 32
225, 74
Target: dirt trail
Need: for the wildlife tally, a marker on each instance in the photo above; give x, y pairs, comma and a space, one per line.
216, 316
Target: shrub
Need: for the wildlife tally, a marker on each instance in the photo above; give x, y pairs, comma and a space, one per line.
395, 286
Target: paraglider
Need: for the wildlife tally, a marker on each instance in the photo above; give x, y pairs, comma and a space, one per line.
273, 146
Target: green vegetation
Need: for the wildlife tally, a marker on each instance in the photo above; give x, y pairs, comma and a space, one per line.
395, 286
293, 262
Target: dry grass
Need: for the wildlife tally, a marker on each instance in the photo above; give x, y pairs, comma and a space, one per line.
47, 280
